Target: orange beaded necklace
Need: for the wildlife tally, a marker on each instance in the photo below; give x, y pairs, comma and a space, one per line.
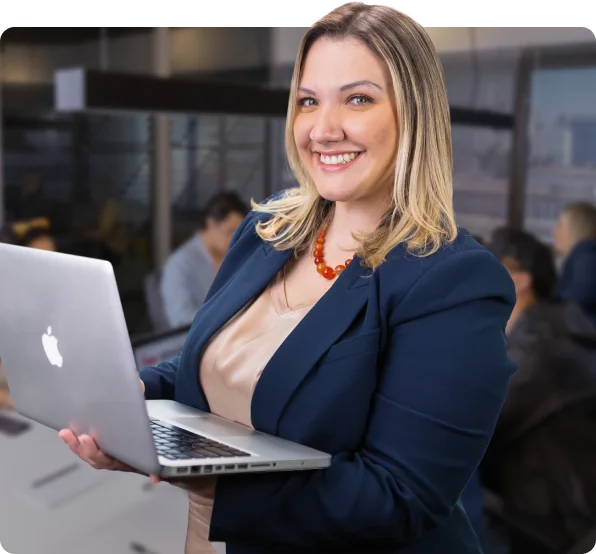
326, 271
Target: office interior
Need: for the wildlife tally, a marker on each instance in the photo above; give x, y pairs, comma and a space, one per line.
109, 124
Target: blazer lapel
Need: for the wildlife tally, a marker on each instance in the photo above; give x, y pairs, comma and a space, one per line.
326, 321
249, 281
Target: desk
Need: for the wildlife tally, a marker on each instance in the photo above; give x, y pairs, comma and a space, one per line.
113, 499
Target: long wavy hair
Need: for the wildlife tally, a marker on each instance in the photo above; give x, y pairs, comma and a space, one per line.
420, 213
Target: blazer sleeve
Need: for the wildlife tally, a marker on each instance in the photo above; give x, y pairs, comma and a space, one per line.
441, 386
160, 380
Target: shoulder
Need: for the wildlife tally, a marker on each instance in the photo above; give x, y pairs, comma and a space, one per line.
583, 253
246, 230
179, 256
459, 272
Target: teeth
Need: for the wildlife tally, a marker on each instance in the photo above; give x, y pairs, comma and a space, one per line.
341, 159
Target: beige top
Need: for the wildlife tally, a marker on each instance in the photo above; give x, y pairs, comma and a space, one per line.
229, 370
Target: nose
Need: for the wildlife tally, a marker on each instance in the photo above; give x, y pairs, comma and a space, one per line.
327, 126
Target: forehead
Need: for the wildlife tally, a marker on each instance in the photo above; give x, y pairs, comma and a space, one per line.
334, 63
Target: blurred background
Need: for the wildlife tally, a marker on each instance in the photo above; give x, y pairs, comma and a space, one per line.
114, 140
524, 132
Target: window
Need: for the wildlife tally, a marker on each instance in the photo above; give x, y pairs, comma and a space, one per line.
90, 176
480, 178
561, 164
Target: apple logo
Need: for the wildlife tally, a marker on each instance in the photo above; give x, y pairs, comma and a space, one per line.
50, 347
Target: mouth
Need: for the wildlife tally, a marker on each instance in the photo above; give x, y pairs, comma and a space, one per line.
337, 162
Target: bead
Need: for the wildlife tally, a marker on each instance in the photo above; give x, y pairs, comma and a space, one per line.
318, 253
328, 273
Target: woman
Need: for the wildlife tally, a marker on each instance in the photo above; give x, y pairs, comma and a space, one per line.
349, 315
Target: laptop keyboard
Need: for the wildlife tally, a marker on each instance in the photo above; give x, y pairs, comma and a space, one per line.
174, 443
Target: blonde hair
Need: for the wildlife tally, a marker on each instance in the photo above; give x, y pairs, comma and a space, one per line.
420, 213
581, 217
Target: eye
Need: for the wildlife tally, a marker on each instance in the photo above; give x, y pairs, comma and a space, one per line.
360, 100
306, 102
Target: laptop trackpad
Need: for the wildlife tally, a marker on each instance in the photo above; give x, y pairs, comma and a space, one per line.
213, 427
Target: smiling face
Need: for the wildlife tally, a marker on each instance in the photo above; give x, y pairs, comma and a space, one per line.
345, 127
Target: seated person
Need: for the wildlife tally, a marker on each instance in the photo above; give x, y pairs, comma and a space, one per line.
575, 243
542, 455
190, 270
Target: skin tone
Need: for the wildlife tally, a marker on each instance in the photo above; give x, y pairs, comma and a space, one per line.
343, 108
563, 236
43, 243
216, 236
525, 295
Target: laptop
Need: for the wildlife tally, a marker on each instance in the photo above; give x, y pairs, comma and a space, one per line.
69, 363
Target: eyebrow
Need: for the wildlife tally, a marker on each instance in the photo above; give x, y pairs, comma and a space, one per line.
345, 87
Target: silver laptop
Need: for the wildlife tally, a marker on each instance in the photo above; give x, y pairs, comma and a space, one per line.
69, 363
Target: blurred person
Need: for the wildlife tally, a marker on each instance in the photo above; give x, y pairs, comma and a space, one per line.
39, 238
542, 455
27, 200
351, 315
575, 244
190, 270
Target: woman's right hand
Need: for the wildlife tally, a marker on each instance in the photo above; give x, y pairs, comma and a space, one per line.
86, 448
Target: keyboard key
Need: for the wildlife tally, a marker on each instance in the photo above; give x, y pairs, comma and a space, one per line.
174, 441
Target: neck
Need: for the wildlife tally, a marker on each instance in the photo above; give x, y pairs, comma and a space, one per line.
523, 303
205, 239
353, 218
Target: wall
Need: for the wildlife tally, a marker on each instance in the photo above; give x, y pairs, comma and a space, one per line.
117, 147
459, 39
192, 51
285, 41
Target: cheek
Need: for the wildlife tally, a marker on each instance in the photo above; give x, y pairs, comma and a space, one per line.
377, 134
302, 129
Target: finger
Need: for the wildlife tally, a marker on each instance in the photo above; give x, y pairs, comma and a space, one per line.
91, 452
70, 439
154, 479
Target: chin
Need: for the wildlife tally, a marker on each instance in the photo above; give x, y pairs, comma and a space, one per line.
337, 197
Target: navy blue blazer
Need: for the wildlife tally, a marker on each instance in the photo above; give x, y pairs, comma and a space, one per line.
399, 374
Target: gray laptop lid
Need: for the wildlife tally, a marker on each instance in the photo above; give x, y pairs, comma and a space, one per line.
66, 352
